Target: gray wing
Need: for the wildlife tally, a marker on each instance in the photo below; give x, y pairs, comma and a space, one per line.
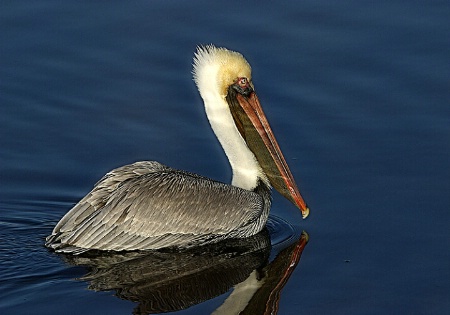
147, 205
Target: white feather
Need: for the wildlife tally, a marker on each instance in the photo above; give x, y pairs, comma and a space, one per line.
214, 70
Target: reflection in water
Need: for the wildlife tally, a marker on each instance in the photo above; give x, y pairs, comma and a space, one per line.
167, 281
274, 276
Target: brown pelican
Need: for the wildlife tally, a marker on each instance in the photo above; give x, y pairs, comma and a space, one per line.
147, 205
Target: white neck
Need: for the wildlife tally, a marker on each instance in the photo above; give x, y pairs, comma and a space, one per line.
242, 293
214, 70
245, 167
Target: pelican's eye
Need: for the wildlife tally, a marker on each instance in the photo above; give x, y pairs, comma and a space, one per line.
243, 86
243, 82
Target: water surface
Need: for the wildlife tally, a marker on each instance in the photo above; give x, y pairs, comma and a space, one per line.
357, 95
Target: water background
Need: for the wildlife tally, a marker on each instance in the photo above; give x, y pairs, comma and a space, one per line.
358, 96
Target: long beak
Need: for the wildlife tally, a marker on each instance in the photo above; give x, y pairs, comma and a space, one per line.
266, 149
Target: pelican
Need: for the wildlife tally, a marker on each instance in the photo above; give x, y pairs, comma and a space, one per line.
147, 205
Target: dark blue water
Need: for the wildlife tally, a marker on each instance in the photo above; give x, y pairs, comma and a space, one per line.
357, 94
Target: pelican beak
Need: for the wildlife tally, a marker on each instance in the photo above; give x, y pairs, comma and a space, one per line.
255, 129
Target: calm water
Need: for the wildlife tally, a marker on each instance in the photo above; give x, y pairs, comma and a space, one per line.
358, 97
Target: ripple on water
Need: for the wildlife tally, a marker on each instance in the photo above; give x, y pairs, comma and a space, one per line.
282, 233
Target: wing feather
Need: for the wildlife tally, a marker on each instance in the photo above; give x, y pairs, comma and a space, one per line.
148, 205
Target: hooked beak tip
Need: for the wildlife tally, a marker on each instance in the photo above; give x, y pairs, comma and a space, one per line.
305, 213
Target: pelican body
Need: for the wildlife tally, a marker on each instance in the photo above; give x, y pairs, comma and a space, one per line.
147, 205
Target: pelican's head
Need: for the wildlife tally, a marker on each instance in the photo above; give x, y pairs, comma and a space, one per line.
224, 80
215, 69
